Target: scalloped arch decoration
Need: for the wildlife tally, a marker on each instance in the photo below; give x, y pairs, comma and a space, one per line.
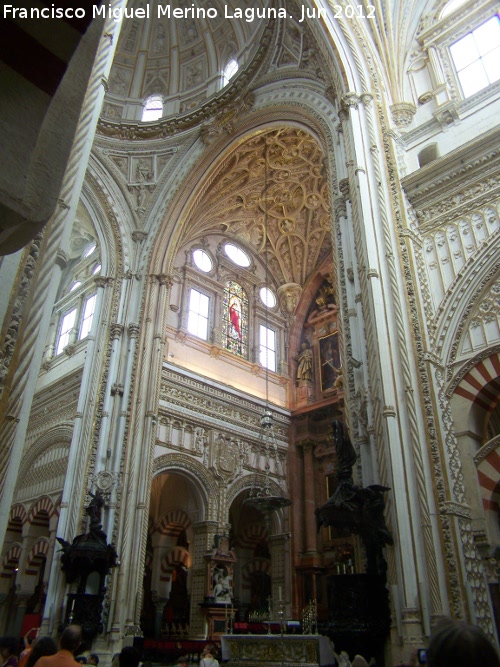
42, 505
18, 513
11, 561
481, 384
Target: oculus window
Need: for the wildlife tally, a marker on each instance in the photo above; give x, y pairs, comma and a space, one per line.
237, 255
267, 297
202, 260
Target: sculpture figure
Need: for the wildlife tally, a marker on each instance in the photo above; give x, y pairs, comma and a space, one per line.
305, 366
359, 509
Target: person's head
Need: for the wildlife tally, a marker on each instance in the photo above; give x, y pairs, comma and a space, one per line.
209, 650
129, 657
457, 644
41, 646
183, 661
359, 661
71, 638
8, 646
93, 659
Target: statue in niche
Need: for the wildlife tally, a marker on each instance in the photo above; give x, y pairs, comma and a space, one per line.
358, 509
222, 588
305, 365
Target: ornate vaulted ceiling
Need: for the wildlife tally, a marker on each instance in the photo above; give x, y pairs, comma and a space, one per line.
180, 58
282, 172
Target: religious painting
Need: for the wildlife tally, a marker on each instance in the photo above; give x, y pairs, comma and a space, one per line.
235, 319
330, 362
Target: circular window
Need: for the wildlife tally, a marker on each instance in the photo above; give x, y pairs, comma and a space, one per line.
202, 260
237, 255
267, 297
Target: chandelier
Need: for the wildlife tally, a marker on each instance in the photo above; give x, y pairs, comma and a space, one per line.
261, 496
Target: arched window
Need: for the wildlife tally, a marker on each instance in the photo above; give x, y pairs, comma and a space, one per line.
229, 71
235, 319
153, 108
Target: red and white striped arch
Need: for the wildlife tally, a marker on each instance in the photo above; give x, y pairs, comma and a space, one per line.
41, 512
17, 518
10, 561
37, 555
255, 565
489, 479
481, 385
251, 535
173, 523
178, 556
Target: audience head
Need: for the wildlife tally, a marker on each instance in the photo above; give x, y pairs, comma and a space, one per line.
93, 659
359, 661
8, 646
71, 638
41, 646
457, 644
129, 657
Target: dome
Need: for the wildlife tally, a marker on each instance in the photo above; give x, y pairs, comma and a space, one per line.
180, 53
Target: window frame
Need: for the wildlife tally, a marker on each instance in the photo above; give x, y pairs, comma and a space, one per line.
148, 100
201, 292
435, 42
261, 346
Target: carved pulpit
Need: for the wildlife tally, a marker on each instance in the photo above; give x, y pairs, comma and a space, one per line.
218, 605
86, 563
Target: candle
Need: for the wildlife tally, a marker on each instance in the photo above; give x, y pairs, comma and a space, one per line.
279, 593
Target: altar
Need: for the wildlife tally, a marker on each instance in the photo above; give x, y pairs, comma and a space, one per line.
277, 650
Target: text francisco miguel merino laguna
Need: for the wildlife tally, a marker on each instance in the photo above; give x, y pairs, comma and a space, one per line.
167, 11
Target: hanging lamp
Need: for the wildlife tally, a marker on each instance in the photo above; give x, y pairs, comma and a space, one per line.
261, 496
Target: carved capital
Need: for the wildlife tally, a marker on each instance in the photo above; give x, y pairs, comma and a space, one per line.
138, 235
133, 330
116, 330
403, 113
61, 259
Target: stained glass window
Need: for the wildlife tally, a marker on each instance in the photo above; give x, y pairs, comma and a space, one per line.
235, 319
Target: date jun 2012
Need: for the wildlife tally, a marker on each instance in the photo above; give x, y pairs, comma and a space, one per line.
353, 11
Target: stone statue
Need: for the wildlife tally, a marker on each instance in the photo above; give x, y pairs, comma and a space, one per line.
305, 366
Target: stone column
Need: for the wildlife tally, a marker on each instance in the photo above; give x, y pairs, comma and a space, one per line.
311, 545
